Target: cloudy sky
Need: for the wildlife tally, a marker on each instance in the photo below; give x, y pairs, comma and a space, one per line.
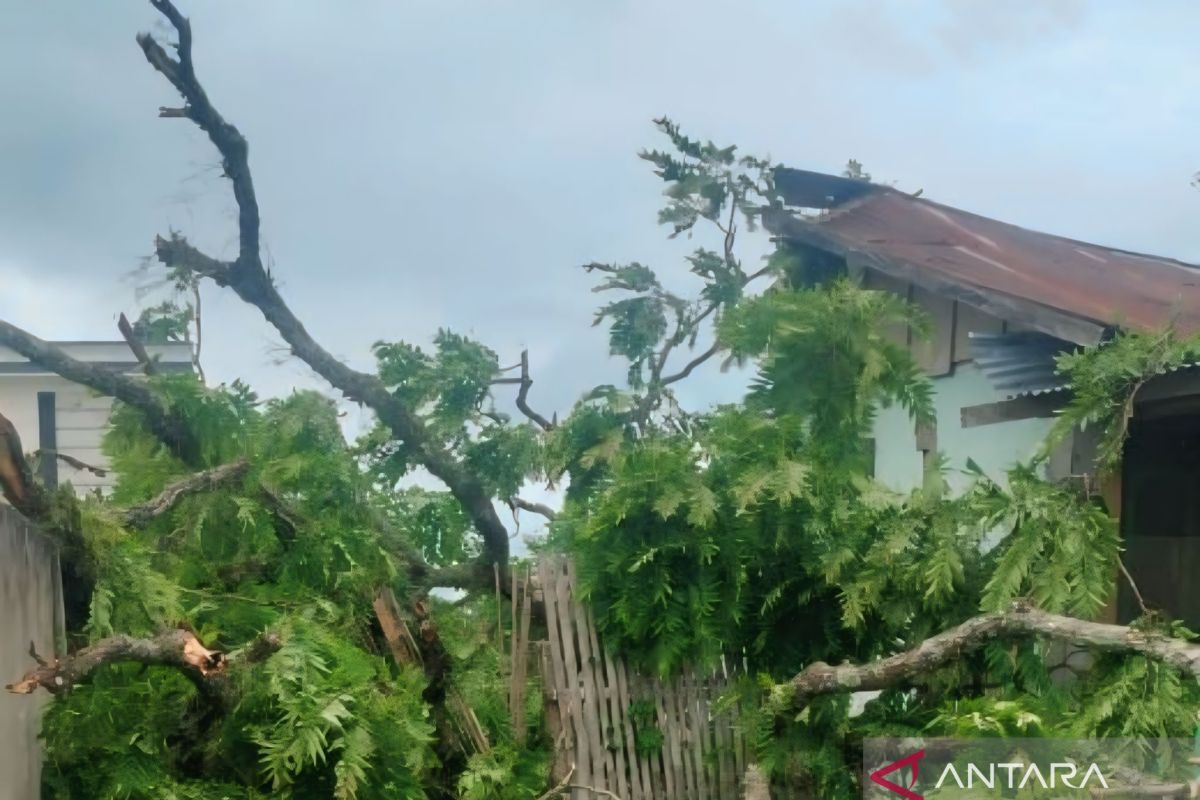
443, 163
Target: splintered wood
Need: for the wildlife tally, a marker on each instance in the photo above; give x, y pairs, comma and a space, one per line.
394, 624
522, 608
599, 704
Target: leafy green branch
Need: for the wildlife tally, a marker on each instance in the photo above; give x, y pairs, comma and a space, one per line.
1105, 381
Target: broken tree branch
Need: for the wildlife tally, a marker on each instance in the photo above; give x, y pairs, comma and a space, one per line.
198, 321
177, 648
250, 280
950, 645
1133, 587
72, 461
215, 478
16, 477
523, 395
136, 346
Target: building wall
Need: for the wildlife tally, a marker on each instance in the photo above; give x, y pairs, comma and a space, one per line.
30, 583
995, 448
30, 611
81, 418
945, 355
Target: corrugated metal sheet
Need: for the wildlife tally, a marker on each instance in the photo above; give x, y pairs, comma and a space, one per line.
1020, 363
1070, 289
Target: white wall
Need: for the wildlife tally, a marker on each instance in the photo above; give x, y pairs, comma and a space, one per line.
82, 418
80, 414
994, 447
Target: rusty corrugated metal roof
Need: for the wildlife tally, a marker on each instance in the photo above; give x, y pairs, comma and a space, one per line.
1069, 289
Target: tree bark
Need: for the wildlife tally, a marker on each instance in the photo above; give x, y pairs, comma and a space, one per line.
206, 481
950, 645
176, 648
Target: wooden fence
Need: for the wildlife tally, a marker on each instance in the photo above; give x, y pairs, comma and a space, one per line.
595, 704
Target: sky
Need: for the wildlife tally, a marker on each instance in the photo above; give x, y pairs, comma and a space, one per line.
427, 164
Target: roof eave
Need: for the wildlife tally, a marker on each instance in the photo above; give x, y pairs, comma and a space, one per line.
1054, 322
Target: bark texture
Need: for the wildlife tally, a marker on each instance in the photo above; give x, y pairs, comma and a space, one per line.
950, 645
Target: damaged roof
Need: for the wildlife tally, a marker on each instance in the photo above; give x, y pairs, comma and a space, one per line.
1068, 289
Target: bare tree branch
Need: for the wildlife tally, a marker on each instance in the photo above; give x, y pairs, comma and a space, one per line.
950, 645
177, 252
250, 280
164, 423
691, 365
72, 461
523, 395
537, 508
1133, 587
136, 346
167, 499
198, 319
225, 137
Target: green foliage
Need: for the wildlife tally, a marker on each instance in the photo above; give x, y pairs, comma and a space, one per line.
449, 384
725, 536
756, 530
329, 709
704, 179
1138, 699
1104, 380
703, 182
1060, 551
434, 521
163, 323
292, 548
825, 354
647, 736
450, 388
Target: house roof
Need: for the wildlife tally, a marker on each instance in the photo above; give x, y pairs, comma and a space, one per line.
1068, 289
114, 355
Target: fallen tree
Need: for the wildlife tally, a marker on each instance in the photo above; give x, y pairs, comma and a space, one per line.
235, 603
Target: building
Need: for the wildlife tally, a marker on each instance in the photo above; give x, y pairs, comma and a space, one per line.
54, 415
1004, 302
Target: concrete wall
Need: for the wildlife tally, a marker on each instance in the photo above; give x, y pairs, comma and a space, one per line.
30, 611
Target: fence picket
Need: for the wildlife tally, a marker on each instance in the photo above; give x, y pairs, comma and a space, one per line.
702, 756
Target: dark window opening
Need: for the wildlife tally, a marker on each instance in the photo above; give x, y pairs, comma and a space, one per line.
1160, 516
48, 438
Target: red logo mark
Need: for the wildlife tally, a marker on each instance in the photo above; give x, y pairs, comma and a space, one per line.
908, 761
